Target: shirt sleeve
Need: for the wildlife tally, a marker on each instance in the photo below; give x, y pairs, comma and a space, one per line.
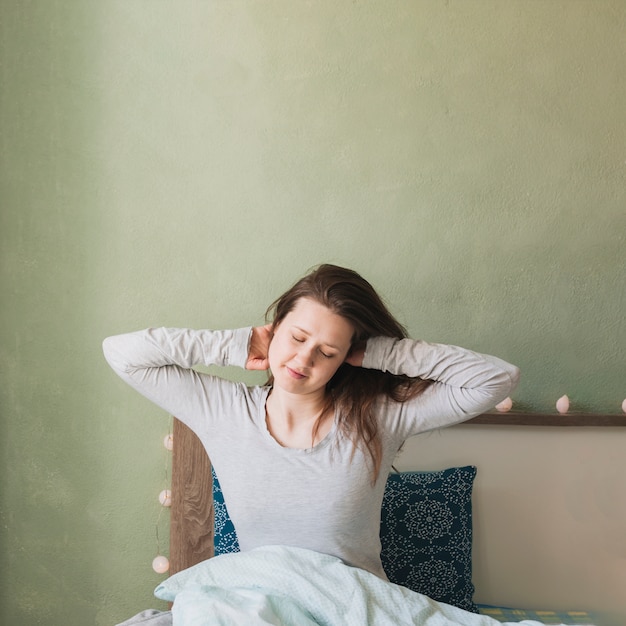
464, 383
159, 362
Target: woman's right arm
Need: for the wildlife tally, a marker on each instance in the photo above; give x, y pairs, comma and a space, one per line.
158, 363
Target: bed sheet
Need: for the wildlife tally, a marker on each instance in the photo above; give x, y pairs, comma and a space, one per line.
573, 618
501, 614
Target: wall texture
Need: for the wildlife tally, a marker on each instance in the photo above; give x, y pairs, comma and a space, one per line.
181, 163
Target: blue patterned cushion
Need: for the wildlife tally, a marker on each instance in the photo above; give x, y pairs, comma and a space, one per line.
426, 534
224, 538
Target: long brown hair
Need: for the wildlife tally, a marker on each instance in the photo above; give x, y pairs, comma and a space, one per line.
353, 390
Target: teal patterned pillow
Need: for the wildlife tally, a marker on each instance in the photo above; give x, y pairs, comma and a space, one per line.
426, 534
224, 537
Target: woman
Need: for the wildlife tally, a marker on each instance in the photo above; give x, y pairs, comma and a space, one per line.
303, 460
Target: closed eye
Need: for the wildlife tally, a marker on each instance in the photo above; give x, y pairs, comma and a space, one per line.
300, 339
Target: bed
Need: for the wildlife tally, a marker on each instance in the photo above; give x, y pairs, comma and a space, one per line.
426, 536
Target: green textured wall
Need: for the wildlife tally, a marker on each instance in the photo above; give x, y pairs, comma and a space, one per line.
180, 163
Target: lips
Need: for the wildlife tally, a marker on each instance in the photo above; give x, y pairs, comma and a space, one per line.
295, 374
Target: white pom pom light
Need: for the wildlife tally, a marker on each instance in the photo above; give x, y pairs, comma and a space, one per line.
562, 404
505, 405
165, 497
160, 564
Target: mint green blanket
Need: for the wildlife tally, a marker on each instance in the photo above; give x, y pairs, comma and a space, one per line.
291, 586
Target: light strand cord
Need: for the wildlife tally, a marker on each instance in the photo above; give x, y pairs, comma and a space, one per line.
166, 485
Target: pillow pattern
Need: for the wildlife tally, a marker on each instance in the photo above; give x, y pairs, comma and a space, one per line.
426, 534
224, 535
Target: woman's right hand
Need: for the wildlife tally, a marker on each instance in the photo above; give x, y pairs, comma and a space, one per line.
259, 347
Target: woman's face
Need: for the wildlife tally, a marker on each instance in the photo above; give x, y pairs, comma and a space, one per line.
308, 347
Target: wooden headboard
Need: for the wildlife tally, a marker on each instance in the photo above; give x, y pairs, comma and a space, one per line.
191, 521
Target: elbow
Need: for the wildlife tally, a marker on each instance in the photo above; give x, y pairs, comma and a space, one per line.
508, 381
108, 349
113, 355
514, 377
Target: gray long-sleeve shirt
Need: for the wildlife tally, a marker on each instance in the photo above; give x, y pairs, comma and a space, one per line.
320, 498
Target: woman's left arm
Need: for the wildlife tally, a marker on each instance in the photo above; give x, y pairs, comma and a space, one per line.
465, 383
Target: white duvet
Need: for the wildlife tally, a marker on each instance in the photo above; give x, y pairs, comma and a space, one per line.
291, 586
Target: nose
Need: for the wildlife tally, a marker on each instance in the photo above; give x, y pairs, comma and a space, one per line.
306, 355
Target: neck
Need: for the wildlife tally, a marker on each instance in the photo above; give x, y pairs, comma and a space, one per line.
296, 409
297, 421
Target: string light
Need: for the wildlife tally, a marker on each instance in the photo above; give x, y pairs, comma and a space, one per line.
160, 563
505, 405
165, 497
562, 404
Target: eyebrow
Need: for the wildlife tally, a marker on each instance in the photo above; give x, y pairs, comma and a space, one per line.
308, 334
